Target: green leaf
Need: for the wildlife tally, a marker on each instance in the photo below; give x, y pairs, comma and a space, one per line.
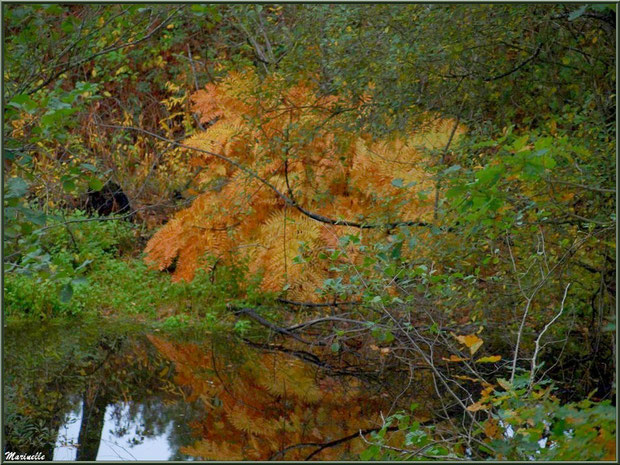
452, 169
66, 293
335, 347
67, 25
398, 182
56, 117
37, 217
543, 143
489, 175
89, 167
603, 7
53, 9
95, 184
68, 185
370, 453
23, 102
79, 281
577, 13
26, 228
199, 10
16, 187
611, 326
24, 160
397, 250
518, 144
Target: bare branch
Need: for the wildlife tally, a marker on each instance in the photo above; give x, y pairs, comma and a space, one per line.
313, 304
547, 326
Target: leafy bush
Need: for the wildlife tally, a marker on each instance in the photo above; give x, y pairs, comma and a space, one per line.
93, 266
521, 425
535, 425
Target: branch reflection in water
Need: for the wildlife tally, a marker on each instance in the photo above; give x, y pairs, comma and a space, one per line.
126, 394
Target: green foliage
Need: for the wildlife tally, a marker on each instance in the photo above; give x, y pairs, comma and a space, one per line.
523, 425
498, 63
241, 327
536, 425
418, 441
174, 322
87, 265
51, 277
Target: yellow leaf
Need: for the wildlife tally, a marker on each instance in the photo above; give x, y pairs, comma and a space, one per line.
489, 359
471, 341
454, 358
122, 69
476, 406
486, 392
504, 384
491, 429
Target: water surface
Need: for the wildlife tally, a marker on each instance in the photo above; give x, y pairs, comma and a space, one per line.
114, 392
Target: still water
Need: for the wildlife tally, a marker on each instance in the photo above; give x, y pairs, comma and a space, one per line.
123, 438
119, 392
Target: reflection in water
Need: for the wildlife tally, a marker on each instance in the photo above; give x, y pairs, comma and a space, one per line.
97, 393
266, 405
123, 437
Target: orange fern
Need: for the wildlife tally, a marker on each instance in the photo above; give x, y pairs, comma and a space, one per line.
285, 139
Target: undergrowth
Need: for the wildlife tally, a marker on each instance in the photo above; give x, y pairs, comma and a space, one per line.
113, 281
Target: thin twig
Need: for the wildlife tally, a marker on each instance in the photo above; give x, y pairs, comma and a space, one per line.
547, 326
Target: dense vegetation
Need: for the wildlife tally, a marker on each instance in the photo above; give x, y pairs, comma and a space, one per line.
429, 187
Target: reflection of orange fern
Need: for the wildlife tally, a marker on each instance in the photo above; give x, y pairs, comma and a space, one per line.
259, 404
329, 171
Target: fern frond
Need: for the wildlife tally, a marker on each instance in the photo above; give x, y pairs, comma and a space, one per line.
331, 172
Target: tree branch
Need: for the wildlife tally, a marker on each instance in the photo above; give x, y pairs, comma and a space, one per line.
537, 343
347, 438
321, 320
515, 69
284, 331
287, 199
321, 304
499, 76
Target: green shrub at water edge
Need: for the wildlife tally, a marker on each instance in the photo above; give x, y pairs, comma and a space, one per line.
95, 267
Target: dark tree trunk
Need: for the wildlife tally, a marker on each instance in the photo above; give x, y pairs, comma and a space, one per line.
91, 428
